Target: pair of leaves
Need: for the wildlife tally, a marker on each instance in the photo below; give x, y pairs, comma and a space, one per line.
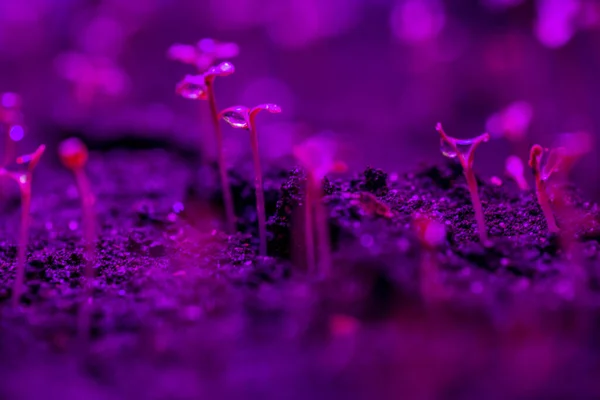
195, 87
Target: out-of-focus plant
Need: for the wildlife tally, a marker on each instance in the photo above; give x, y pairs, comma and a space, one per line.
23, 179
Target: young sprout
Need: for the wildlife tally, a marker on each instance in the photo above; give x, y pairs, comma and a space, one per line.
203, 54
450, 148
244, 118
201, 87
317, 156
432, 235
541, 175
74, 155
10, 118
515, 170
23, 179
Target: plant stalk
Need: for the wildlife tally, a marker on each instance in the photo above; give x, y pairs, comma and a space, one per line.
479, 217
23, 239
260, 194
225, 186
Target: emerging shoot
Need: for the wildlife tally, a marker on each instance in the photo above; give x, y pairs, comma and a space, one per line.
23, 179
450, 148
515, 170
203, 54
244, 118
317, 156
201, 87
541, 175
74, 155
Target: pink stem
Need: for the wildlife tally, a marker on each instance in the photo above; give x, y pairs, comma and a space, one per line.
89, 234
225, 186
309, 235
23, 239
542, 197
260, 195
472, 184
324, 245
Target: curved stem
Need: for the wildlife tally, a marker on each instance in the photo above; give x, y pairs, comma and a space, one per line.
260, 194
472, 184
23, 239
225, 186
544, 202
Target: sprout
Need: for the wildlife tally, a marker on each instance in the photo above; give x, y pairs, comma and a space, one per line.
244, 118
449, 148
541, 175
515, 170
23, 179
74, 155
10, 117
203, 54
317, 156
201, 87
432, 235
560, 159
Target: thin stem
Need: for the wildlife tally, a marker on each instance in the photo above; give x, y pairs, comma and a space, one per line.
225, 186
323, 242
309, 234
23, 239
472, 184
89, 234
260, 194
544, 202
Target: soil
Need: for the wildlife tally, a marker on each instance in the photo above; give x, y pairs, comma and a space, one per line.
182, 311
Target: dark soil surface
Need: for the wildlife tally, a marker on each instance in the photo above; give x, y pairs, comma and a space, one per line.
182, 311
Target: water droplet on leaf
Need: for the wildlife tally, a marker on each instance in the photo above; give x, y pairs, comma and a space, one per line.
235, 119
192, 88
447, 150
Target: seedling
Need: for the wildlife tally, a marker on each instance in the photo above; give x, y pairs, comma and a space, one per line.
91, 75
244, 118
317, 156
201, 87
541, 175
450, 148
23, 179
10, 118
74, 155
203, 54
431, 235
515, 170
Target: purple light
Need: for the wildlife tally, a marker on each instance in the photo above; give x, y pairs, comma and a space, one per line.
16, 133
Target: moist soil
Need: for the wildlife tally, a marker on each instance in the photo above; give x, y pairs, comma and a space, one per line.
181, 310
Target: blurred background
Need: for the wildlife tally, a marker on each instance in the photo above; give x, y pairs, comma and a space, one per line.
375, 74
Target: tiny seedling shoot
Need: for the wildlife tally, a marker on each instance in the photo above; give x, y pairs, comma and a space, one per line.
201, 87
516, 171
450, 148
203, 54
23, 179
541, 175
244, 118
74, 154
317, 156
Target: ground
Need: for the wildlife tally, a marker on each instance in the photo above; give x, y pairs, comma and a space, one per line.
182, 311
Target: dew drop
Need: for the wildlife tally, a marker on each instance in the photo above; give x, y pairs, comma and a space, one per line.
236, 119
446, 149
192, 88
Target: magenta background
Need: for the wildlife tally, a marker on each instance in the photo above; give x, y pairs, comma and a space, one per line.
333, 65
